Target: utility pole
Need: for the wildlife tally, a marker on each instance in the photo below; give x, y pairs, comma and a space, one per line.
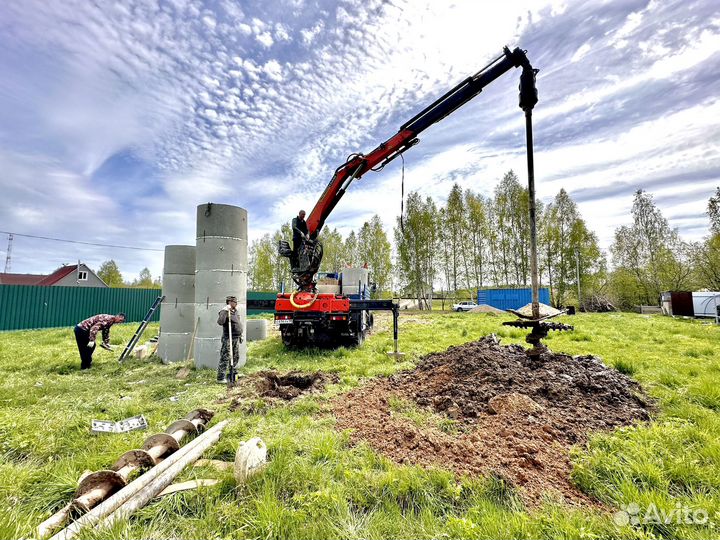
8, 258
577, 274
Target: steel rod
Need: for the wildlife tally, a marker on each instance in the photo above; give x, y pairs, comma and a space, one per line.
533, 220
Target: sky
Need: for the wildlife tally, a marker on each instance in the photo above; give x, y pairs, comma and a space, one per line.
118, 118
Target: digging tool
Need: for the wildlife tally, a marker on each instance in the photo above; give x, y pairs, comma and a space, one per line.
192, 340
539, 328
94, 488
150, 483
231, 373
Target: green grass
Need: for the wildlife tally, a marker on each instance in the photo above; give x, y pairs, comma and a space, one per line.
318, 485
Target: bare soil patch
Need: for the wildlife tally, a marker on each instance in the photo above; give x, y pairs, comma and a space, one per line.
273, 386
509, 415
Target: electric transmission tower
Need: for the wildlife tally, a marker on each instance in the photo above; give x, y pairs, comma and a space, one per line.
8, 259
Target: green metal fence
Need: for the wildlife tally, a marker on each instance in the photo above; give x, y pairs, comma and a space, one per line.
24, 306
260, 302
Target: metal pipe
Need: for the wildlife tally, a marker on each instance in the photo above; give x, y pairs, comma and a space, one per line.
136, 486
533, 220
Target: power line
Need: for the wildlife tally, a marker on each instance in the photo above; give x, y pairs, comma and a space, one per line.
79, 242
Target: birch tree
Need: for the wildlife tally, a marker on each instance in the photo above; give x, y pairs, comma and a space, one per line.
261, 262
374, 249
416, 240
651, 251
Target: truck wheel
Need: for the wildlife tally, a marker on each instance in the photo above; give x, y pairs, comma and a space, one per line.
288, 337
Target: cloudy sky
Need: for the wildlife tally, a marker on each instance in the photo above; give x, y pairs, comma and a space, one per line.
118, 118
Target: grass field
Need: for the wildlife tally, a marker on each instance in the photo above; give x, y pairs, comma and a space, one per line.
319, 486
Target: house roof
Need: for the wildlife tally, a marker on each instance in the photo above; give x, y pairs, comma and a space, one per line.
57, 275
20, 279
42, 280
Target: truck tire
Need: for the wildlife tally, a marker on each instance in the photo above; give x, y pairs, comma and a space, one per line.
287, 334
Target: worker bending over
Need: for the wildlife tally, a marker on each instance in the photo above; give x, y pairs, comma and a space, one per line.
229, 313
86, 332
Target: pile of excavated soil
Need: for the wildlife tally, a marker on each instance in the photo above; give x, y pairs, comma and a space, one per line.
545, 310
273, 386
485, 308
510, 416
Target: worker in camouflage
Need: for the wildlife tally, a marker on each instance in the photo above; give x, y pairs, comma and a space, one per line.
229, 313
86, 332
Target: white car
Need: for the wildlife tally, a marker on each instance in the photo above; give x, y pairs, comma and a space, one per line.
464, 306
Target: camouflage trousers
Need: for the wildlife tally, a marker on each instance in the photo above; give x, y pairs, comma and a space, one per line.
224, 364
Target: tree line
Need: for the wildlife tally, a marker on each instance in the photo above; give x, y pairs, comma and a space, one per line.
109, 272
474, 241
650, 257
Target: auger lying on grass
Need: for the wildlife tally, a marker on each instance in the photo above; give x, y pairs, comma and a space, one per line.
141, 490
98, 486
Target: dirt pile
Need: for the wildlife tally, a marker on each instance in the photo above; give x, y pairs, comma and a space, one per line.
597, 304
545, 310
485, 308
490, 409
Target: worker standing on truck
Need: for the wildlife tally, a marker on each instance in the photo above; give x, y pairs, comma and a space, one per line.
86, 332
229, 312
300, 231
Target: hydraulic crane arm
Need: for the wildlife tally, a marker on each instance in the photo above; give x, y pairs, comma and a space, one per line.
359, 164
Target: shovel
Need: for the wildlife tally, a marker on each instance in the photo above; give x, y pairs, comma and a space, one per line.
231, 373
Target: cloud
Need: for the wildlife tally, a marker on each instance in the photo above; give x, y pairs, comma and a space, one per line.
130, 114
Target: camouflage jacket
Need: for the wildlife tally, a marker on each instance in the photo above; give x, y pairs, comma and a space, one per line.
98, 322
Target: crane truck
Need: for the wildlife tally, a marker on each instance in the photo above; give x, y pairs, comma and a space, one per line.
308, 317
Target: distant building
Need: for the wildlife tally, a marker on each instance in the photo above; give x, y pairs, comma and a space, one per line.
69, 275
